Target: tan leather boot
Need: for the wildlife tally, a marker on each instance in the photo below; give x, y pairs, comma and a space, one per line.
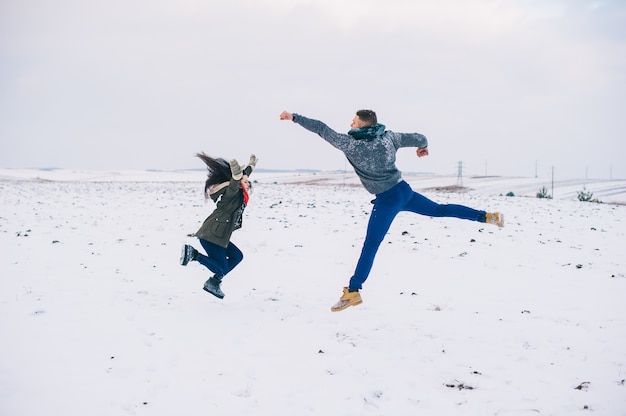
495, 218
347, 299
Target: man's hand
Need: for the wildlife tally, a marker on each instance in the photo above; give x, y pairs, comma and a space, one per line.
421, 151
285, 115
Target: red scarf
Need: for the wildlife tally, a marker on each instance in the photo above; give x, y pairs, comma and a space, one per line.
246, 197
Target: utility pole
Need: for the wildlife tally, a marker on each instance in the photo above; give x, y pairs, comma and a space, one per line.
552, 182
459, 176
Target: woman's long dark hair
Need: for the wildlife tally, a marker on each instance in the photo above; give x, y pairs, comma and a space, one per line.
218, 171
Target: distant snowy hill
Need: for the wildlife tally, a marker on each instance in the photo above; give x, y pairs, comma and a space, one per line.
607, 191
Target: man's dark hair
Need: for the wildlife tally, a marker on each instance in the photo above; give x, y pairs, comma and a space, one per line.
368, 116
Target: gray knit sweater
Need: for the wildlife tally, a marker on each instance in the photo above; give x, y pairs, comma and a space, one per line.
374, 161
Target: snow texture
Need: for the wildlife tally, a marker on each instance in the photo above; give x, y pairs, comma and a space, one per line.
459, 318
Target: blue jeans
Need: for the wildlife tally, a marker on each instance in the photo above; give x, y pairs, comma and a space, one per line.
220, 260
386, 206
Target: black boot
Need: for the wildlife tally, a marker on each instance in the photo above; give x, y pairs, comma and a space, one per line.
187, 254
213, 287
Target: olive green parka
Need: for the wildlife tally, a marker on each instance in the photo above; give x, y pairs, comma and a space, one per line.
228, 214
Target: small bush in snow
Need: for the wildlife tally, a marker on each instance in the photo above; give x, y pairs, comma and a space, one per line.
543, 193
586, 196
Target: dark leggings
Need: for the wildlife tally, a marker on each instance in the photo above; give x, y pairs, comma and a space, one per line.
219, 260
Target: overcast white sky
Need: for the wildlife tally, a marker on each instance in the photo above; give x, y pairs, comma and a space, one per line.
507, 87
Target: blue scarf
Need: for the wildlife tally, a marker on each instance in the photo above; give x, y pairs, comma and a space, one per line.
368, 133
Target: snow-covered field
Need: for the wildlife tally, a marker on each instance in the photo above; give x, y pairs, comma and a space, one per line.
459, 318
